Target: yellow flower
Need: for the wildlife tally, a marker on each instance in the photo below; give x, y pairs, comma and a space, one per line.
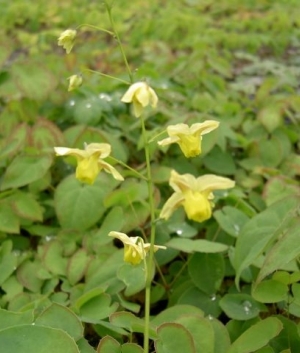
75, 82
90, 161
194, 194
66, 39
140, 95
135, 249
188, 138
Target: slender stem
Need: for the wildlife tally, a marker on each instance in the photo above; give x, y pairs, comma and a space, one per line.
127, 166
95, 27
112, 23
108, 76
152, 238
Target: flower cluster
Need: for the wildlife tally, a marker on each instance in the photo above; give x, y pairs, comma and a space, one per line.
90, 161
135, 249
194, 194
140, 95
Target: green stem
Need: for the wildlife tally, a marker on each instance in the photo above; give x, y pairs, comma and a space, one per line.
152, 238
95, 27
112, 23
127, 166
108, 76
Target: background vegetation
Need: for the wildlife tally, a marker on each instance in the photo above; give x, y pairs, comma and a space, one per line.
233, 61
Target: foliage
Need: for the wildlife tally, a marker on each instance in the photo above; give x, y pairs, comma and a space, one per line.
227, 285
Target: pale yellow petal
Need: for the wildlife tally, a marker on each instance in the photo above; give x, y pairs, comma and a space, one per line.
110, 169
155, 247
205, 127
65, 151
182, 182
87, 170
125, 239
174, 130
102, 149
209, 182
168, 141
137, 109
130, 93
153, 98
142, 95
171, 205
196, 206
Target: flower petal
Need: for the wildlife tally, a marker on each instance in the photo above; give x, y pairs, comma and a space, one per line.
171, 205
209, 182
168, 141
125, 239
130, 93
205, 127
65, 151
182, 182
110, 169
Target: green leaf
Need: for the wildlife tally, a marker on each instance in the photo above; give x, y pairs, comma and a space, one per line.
11, 318
208, 303
207, 271
80, 206
114, 220
201, 330
77, 266
133, 277
25, 169
109, 345
131, 348
26, 206
219, 162
239, 306
231, 220
260, 230
221, 336
173, 337
60, 317
199, 245
270, 291
278, 188
34, 80
285, 250
9, 221
8, 261
94, 306
53, 258
27, 338
175, 312
257, 336
27, 275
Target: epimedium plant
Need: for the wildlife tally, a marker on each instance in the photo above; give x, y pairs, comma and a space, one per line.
75, 276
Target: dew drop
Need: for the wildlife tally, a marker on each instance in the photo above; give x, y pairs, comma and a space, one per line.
105, 97
179, 231
88, 105
72, 103
210, 317
213, 297
236, 228
247, 306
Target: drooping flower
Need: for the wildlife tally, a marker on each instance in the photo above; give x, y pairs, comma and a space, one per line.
90, 161
66, 39
140, 94
75, 81
194, 194
135, 249
188, 138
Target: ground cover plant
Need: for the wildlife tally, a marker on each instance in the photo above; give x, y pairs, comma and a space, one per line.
150, 176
